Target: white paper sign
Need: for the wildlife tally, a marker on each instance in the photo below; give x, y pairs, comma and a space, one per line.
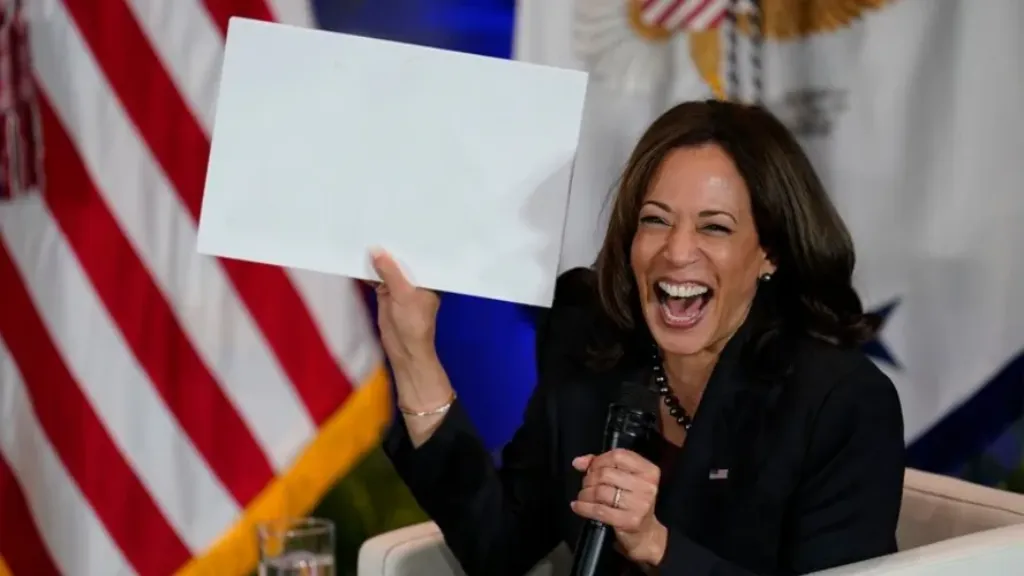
327, 145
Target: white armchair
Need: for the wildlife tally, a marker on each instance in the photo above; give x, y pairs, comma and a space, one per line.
947, 527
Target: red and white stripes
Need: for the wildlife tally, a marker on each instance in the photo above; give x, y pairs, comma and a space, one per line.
684, 15
147, 393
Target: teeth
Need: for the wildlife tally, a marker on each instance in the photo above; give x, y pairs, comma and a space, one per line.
687, 290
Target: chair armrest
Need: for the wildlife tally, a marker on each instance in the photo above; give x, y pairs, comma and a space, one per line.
936, 508
997, 551
419, 550
416, 549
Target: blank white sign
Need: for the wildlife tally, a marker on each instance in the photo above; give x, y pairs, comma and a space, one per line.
327, 145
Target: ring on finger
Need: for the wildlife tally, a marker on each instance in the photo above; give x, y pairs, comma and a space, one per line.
618, 496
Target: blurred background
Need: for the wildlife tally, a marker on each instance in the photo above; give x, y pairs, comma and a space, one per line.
155, 404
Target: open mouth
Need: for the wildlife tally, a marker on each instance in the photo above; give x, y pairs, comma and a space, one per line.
683, 305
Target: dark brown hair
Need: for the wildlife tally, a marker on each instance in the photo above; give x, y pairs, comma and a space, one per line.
811, 292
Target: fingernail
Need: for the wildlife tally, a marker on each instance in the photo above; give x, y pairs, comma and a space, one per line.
582, 460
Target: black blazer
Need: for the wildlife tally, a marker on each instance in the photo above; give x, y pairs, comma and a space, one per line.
814, 463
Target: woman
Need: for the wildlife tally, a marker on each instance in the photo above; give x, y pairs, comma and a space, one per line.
724, 282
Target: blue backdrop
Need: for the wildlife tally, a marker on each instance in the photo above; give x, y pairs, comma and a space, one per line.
486, 346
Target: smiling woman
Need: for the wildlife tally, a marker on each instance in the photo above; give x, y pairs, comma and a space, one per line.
696, 243
717, 205
724, 286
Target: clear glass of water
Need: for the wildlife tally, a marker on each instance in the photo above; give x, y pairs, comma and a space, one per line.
296, 547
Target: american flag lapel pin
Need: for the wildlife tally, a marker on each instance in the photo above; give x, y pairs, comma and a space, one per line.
718, 474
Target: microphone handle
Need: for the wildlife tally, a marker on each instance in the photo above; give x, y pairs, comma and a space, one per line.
593, 549
625, 428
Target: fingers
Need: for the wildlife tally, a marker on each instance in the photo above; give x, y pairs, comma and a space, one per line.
630, 461
617, 478
618, 458
605, 494
379, 287
620, 469
393, 281
623, 459
581, 463
618, 518
633, 477
620, 489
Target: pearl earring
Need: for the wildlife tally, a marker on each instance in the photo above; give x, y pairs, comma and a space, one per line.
766, 277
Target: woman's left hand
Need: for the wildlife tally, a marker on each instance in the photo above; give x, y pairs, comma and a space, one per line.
635, 479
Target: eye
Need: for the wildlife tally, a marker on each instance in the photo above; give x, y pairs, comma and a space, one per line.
652, 220
717, 229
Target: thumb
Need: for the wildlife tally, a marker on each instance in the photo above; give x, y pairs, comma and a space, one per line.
390, 274
581, 463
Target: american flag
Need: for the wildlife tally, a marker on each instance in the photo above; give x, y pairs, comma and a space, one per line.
683, 15
155, 403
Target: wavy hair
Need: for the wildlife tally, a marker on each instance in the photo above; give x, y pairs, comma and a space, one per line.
811, 292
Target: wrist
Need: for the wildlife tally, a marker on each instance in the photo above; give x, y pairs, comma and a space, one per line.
656, 545
422, 385
415, 362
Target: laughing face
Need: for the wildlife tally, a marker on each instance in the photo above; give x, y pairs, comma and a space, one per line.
696, 255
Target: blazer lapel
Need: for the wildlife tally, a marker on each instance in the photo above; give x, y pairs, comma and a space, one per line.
741, 510
709, 466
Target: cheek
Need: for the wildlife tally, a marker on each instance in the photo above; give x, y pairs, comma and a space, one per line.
646, 245
737, 268
645, 248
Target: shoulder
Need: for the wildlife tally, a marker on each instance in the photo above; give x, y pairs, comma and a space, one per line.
843, 387
568, 334
819, 360
564, 331
573, 309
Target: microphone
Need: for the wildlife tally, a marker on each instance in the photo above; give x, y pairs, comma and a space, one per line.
631, 425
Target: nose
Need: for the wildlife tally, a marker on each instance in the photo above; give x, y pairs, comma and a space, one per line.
682, 246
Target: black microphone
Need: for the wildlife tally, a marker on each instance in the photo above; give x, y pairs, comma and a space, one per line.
631, 424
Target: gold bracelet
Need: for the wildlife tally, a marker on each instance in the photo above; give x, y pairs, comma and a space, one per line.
439, 410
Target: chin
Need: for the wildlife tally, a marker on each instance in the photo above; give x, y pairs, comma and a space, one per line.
680, 344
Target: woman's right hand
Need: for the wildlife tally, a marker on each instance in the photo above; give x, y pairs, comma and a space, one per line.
407, 315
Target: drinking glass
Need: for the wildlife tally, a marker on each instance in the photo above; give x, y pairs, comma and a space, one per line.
296, 547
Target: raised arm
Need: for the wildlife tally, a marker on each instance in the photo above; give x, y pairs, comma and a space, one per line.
496, 522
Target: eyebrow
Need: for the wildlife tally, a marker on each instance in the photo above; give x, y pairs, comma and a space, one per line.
710, 213
702, 213
658, 204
